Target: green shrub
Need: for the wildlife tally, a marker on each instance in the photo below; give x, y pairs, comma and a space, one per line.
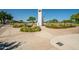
29, 25
77, 24
18, 25
30, 29
59, 26
37, 28
23, 29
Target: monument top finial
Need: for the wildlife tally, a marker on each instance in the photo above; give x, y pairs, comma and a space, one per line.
40, 10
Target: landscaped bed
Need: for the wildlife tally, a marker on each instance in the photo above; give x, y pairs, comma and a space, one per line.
59, 25
30, 29
17, 25
77, 24
26, 28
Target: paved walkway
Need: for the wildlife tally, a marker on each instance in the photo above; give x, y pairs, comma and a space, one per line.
69, 42
31, 41
3, 29
35, 40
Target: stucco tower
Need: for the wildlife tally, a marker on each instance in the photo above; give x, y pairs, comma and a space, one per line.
40, 18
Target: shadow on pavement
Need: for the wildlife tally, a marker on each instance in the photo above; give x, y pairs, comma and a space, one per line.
9, 45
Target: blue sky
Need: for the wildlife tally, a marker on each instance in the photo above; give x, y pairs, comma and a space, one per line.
22, 14
60, 14
48, 14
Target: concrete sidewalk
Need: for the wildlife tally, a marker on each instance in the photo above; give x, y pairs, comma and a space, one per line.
70, 42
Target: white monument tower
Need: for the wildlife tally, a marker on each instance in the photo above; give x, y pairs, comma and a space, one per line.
40, 18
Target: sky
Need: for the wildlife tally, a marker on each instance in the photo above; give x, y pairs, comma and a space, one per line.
21, 14
59, 14
48, 14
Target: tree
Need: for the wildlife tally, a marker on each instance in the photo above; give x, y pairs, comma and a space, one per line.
21, 21
0, 20
75, 17
4, 16
9, 17
53, 21
67, 21
32, 19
